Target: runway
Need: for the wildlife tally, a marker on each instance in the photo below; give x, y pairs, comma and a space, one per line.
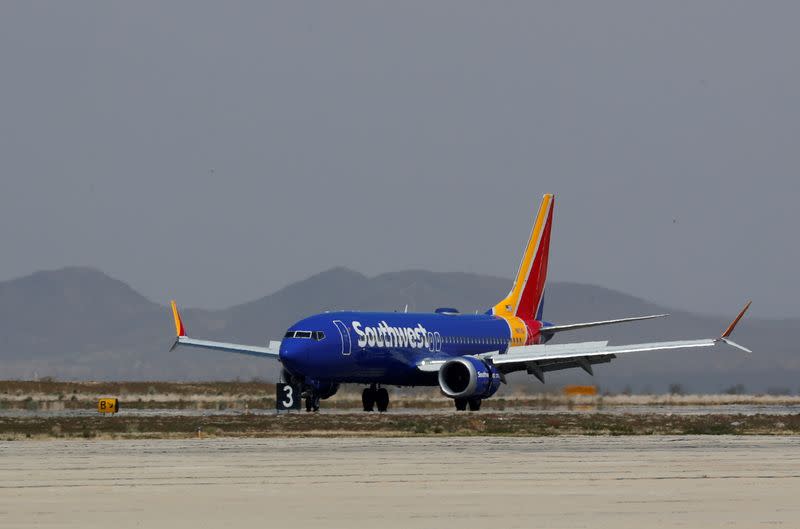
731, 409
466, 482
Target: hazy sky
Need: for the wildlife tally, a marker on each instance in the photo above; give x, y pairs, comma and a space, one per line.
215, 152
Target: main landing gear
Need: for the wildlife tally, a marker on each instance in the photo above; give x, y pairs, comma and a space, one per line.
474, 404
375, 396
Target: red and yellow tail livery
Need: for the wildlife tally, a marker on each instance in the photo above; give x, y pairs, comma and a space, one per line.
522, 307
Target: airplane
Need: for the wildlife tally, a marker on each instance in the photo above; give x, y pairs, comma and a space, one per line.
467, 355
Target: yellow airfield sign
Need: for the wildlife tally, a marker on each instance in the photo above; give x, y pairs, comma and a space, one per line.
107, 405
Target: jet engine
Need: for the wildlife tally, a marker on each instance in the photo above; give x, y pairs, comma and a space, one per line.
468, 377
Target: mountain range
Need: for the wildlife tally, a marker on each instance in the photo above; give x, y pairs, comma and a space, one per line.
79, 323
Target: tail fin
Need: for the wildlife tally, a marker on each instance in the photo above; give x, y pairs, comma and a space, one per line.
526, 298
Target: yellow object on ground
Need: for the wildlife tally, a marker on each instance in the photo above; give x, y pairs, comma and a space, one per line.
108, 405
580, 390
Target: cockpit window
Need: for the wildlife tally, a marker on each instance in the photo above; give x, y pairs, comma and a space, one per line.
314, 335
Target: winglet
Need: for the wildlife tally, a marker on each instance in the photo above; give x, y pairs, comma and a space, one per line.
179, 329
732, 326
724, 338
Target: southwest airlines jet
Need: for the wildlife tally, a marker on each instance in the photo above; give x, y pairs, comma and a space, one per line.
467, 356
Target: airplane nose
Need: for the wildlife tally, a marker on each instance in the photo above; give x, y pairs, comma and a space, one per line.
293, 354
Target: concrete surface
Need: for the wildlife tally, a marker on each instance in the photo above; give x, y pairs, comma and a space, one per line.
622, 482
644, 409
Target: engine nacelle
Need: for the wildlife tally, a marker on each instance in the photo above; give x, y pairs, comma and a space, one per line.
468, 377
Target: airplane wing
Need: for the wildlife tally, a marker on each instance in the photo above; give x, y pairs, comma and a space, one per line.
539, 359
551, 329
252, 350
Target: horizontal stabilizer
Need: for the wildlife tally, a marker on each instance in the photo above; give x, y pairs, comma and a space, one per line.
575, 326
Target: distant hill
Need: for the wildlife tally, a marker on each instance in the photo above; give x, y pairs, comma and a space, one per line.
78, 323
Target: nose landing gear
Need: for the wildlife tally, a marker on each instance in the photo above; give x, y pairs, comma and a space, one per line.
375, 396
312, 402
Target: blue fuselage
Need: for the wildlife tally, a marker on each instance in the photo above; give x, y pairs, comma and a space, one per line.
386, 347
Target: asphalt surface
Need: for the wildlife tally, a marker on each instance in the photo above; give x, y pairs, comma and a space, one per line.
619, 482
725, 409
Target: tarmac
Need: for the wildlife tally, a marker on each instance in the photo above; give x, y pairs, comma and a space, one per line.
550, 482
646, 409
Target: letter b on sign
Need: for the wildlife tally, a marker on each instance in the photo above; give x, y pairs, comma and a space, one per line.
287, 397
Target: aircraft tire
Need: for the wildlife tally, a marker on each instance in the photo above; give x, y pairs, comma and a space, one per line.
461, 404
382, 399
474, 404
368, 399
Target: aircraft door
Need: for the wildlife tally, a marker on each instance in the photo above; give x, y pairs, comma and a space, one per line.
345, 334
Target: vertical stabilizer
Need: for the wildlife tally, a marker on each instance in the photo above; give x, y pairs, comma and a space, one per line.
527, 295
